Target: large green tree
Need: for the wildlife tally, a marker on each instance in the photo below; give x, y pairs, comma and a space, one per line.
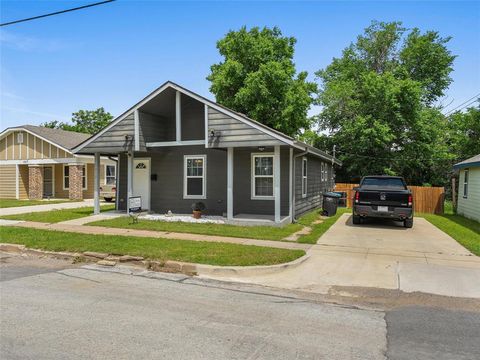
257, 77
84, 121
378, 101
464, 132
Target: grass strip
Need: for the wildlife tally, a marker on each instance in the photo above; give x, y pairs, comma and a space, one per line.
54, 216
465, 231
212, 253
319, 229
8, 203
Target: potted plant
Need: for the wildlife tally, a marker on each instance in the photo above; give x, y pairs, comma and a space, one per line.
197, 208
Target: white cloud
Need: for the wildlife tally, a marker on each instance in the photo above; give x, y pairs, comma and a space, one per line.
29, 43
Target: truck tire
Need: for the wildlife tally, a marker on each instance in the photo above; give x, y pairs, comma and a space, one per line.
408, 223
356, 219
108, 199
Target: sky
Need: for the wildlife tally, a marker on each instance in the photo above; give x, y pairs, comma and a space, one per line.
113, 55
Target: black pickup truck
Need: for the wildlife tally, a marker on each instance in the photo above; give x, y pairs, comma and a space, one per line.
383, 197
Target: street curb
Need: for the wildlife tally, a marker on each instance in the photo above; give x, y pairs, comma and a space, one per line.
248, 270
168, 266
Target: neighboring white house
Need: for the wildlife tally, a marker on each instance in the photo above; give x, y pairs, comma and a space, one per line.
469, 188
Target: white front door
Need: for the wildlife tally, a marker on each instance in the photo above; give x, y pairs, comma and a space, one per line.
141, 181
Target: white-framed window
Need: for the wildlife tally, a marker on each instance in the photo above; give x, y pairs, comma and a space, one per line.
321, 172
66, 177
195, 177
262, 177
304, 177
465, 183
110, 174
20, 138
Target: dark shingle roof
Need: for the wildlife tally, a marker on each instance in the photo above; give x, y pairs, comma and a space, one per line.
64, 138
473, 161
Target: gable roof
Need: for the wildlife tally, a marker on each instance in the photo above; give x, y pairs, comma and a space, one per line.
473, 161
64, 139
236, 115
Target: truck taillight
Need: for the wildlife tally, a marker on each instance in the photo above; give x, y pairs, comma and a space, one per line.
114, 188
357, 196
410, 200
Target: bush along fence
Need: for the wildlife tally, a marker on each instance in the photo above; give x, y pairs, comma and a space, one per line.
425, 199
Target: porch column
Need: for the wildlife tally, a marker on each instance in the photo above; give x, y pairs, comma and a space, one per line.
96, 185
75, 182
35, 182
129, 179
290, 182
276, 185
230, 183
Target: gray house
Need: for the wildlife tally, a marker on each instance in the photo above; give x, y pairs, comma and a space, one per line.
176, 147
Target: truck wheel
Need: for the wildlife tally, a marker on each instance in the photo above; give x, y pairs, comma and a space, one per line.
108, 199
408, 223
356, 219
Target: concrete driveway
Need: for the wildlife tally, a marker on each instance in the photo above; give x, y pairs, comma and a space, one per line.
382, 255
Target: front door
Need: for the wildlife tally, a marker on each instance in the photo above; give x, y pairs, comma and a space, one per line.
141, 181
47, 181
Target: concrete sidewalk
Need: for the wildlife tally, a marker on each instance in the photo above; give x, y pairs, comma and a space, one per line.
422, 259
67, 226
46, 207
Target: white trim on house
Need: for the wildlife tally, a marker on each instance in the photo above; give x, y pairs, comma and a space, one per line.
203, 177
175, 143
8, 130
230, 174
105, 173
178, 116
206, 124
136, 125
290, 182
28, 148
276, 183
466, 174
305, 177
17, 182
253, 196
81, 159
63, 176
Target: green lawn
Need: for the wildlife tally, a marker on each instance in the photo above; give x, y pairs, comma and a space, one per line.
54, 216
252, 232
319, 229
7, 203
212, 253
465, 231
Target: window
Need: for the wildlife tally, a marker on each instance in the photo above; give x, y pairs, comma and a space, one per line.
262, 176
109, 174
304, 177
321, 172
194, 179
66, 177
465, 183
20, 138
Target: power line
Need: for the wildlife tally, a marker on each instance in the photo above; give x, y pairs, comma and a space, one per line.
474, 98
56, 13
463, 107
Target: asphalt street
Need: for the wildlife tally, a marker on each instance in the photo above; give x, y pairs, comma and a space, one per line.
51, 310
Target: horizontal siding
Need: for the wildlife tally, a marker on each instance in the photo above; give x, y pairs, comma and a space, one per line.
234, 133
470, 206
23, 181
315, 186
113, 140
7, 181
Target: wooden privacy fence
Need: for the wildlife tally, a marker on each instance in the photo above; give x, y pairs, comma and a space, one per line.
425, 199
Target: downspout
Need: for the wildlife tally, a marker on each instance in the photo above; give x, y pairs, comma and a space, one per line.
293, 184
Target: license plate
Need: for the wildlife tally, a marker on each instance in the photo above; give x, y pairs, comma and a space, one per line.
383, 208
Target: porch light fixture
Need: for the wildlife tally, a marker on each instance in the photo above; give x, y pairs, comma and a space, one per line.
261, 148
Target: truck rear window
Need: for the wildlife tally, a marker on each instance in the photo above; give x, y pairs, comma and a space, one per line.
383, 183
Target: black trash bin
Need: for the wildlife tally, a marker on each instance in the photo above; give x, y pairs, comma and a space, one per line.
330, 202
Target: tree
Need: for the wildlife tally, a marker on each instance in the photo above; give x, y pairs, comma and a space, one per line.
258, 78
464, 131
377, 104
84, 121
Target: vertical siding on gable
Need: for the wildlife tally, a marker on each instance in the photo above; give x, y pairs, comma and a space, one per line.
31, 141
24, 148
3, 149
193, 119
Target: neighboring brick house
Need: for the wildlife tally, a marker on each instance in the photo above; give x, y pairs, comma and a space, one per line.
37, 162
